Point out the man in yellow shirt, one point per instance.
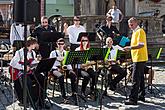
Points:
(139, 56)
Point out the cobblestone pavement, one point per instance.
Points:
(115, 101)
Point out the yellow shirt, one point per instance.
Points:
(139, 55)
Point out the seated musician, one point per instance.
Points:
(17, 67)
(113, 67)
(86, 71)
(57, 69)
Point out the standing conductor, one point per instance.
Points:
(139, 56)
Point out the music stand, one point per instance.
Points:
(96, 54)
(50, 38)
(155, 53)
(91, 36)
(44, 66)
(75, 58)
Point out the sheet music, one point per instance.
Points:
(119, 47)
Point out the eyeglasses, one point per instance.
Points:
(60, 43)
(84, 40)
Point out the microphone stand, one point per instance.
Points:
(25, 60)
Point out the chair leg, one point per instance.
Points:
(53, 88)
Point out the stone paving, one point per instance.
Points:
(155, 101)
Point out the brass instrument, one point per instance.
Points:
(88, 65)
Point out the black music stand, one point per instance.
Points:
(122, 56)
(91, 36)
(50, 38)
(154, 54)
(44, 66)
(96, 54)
(75, 58)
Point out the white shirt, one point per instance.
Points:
(17, 32)
(113, 52)
(58, 55)
(19, 57)
(115, 15)
(73, 33)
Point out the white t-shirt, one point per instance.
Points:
(73, 33)
(115, 15)
(58, 55)
(19, 57)
(17, 32)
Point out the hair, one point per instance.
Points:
(60, 40)
(31, 41)
(132, 19)
(81, 44)
(76, 17)
(107, 39)
(44, 17)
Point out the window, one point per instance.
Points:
(71, 2)
(51, 1)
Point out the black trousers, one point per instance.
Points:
(138, 81)
(72, 77)
(31, 89)
(87, 75)
(121, 73)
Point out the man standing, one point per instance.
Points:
(73, 32)
(44, 47)
(108, 29)
(115, 13)
(139, 56)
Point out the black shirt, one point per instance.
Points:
(44, 47)
(108, 32)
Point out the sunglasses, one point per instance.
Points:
(76, 20)
(60, 43)
(84, 40)
(45, 22)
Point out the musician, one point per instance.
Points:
(114, 67)
(57, 68)
(73, 32)
(108, 29)
(84, 71)
(139, 56)
(17, 64)
(44, 48)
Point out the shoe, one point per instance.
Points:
(141, 98)
(130, 102)
(65, 101)
(112, 87)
